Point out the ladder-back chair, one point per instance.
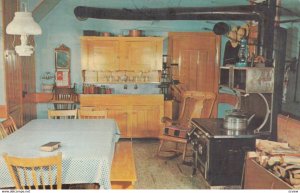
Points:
(64, 98)
(35, 173)
(62, 114)
(195, 104)
(8, 125)
(2, 133)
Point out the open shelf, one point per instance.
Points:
(248, 79)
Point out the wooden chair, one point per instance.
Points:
(195, 104)
(35, 173)
(2, 133)
(62, 114)
(95, 114)
(64, 98)
(88, 108)
(8, 125)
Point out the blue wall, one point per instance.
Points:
(61, 27)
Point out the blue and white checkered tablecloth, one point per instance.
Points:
(87, 148)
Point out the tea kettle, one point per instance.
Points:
(236, 119)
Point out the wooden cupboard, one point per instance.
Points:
(99, 54)
(143, 55)
(121, 53)
(120, 114)
(145, 120)
(138, 116)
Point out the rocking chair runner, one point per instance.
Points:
(196, 104)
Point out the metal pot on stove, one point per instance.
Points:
(236, 120)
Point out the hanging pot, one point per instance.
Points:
(221, 28)
(106, 34)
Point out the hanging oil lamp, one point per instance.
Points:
(243, 53)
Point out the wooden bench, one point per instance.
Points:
(123, 174)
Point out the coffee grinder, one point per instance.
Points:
(166, 79)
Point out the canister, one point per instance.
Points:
(102, 89)
(108, 91)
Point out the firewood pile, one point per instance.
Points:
(282, 160)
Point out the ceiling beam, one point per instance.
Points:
(43, 8)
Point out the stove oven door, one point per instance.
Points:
(200, 153)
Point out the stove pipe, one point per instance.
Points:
(255, 12)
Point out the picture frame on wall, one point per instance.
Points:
(62, 57)
(62, 66)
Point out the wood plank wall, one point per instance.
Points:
(19, 72)
(288, 130)
(8, 7)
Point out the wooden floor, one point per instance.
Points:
(123, 171)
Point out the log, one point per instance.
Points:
(270, 146)
(297, 171)
(277, 173)
(273, 160)
(291, 160)
(296, 176)
(293, 166)
(263, 160)
(293, 180)
(281, 170)
(283, 151)
(253, 154)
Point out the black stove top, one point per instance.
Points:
(214, 129)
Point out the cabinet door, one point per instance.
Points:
(119, 113)
(102, 55)
(142, 56)
(197, 56)
(14, 89)
(145, 121)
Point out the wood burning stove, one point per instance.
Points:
(218, 153)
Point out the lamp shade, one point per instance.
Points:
(23, 24)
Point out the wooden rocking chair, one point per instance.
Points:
(195, 104)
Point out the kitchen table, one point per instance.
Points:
(87, 148)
